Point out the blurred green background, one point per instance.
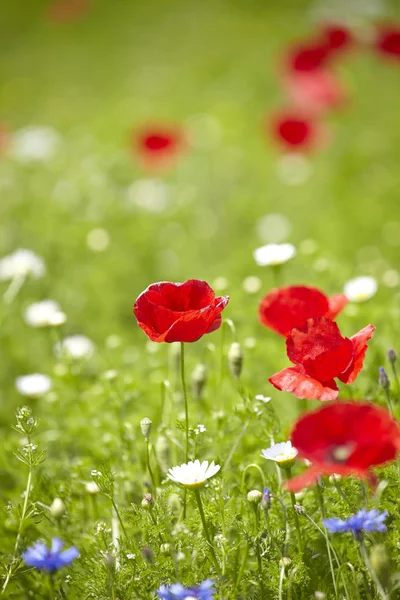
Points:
(211, 67)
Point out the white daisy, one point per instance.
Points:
(194, 474)
(44, 314)
(274, 254)
(75, 346)
(360, 288)
(34, 385)
(21, 263)
(283, 454)
(34, 143)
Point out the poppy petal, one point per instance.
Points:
(302, 386)
(359, 341)
(336, 305)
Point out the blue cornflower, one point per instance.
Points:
(176, 591)
(364, 520)
(40, 557)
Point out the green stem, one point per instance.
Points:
(150, 469)
(389, 401)
(364, 555)
(185, 399)
(205, 527)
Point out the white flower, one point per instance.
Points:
(33, 385)
(262, 398)
(75, 346)
(34, 143)
(44, 314)
(193, 474)
(274, 254)
(283, 453)
(21, 263)
(360, 288)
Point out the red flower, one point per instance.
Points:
(316, 90)
(282, 309)
(295, 131)
(346, 438)
(337, 37)
(159, 146)
(308, 57)
(179, 312)
(388, 41)
(320, 354)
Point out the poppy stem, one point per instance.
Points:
(185, 399)
(205, 527)
(364, 555)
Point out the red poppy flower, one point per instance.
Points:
(308, 57)
(347, 438)
(388, 41)
(337, 37)
(179, 312)
(293, 130)
(320, 354)
(315, 91)
(282, 309)
(159, 146)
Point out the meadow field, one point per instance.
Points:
(94, 210)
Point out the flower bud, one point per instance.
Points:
(165, 548)
(384, 380)
(92, 488)
(380, 563)
(148, 554)
(147, 501)
(199, 379)
(254, 496)
(285, 561)
(235, 359)
(266, 499)
(57, 508)
(145, 426)
(300, 510)
(163, 453)
(392, 356)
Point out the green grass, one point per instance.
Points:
(123, 64)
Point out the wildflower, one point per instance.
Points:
(46, 313)
(308, 57)
(384, 380)
(75, 346)
(274, 254)
(40, 557)
(179, 312)
(337, 36)
(320, 354)
(193, 474)
(262, 398)
(159, 146)
(266, 499)
(34, 144)
(387, 41)
(315, 91)
(364, 520)
(34, 385)
(295, 131)
(282, 309)
(145, 426)
(254, 496)
(21, 263)
(345, 438)
(360, 289)
(283, 454)
(392, 356)
(205, 591)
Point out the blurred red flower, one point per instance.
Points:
(337, 37)
(320, 354)
(68, 10)
(159, 146)
(346, 438)
(295, 131)
(282, 309)
(308, 57)
(387, 41)
(315, 91)
(179, 312)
